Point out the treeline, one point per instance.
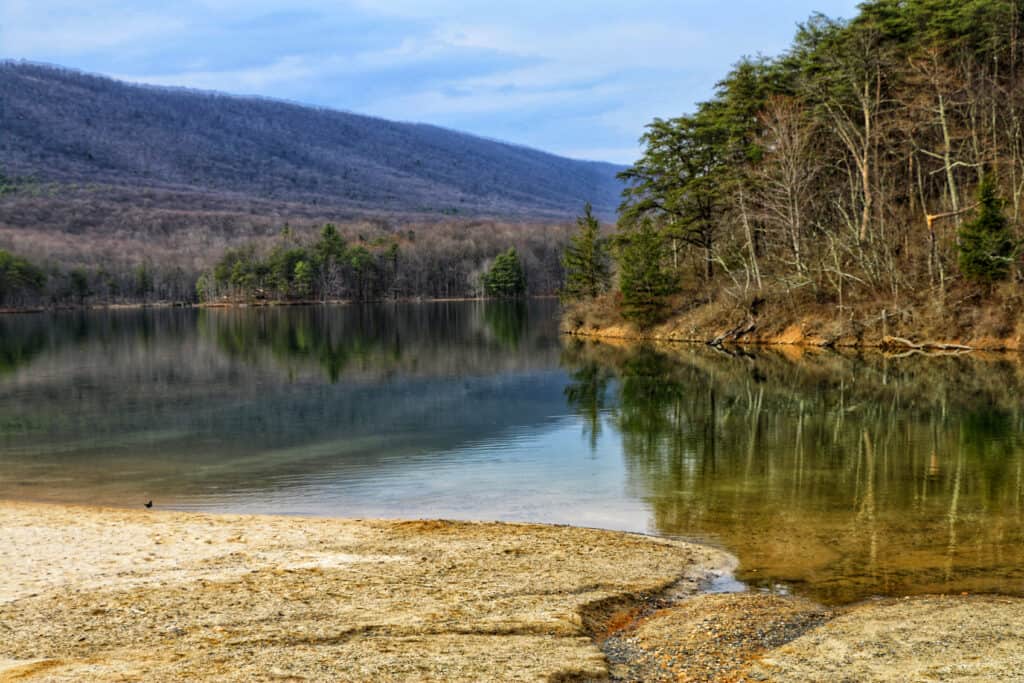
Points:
(396, 265)
(294, 269)
(877, 165)
(356, 262)
(24, 284)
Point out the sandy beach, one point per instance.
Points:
(115, 595)
(93, 594)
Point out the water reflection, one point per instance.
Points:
(838, 476)
(587, 394)
(483, 336)
(507, 321)
(186, 403)
(844, 476)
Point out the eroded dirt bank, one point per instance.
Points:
(981, 330)
(796, 335)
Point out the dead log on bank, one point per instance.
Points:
(734, 334)
(899, 343)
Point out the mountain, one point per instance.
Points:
(67, 127)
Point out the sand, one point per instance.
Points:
(116, 595)
(785, 639)
(91, 594)
(935, 638)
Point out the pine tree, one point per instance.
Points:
(986, 247)
(585, 260)
(331, 245)
(143, 281)
(303, 278)
(506, 278)
(645, 282)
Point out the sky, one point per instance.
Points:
(577, 78)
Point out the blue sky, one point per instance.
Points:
(575, 78)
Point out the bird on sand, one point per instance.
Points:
(149, 504)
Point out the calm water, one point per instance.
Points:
(834, 476)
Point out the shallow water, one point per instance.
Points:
(833, 476)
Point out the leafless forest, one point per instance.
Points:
(118, 192)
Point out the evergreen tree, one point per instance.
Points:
(303, 278)
(506, 278)
(330, 252)
(204, 289)
(585, 260)
(282, 264)
(364, 268)
(331, 245)
(143, 281)
(19, 277)
(79, 284)
(645, 281)
(987, 248)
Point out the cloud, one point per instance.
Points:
(68, 30)
(254, 80)
(570, 77)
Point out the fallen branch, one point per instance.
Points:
(890, 342)
(734, 334)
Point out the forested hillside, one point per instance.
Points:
(72, 127)
(869, 180)
(111, 192)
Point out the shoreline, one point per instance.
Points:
(796, 337)
(915, 327)
(108, 593)
(172, 595)
(254, 304)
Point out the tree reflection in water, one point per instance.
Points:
(842, 475)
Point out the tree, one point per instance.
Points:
(987, 248)
(677, 182)
(143, 281)
(848, 75)
(587, 270)
(204, 288)
(282, 266)
(79, 282)
(331, 244)
(19, 278)
(506, 278)
(644, 280)
(364, 268)
(303, 278)
(785, 177)
(329, 253)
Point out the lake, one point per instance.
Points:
(838, 476)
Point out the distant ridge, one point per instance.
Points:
(61, 125)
